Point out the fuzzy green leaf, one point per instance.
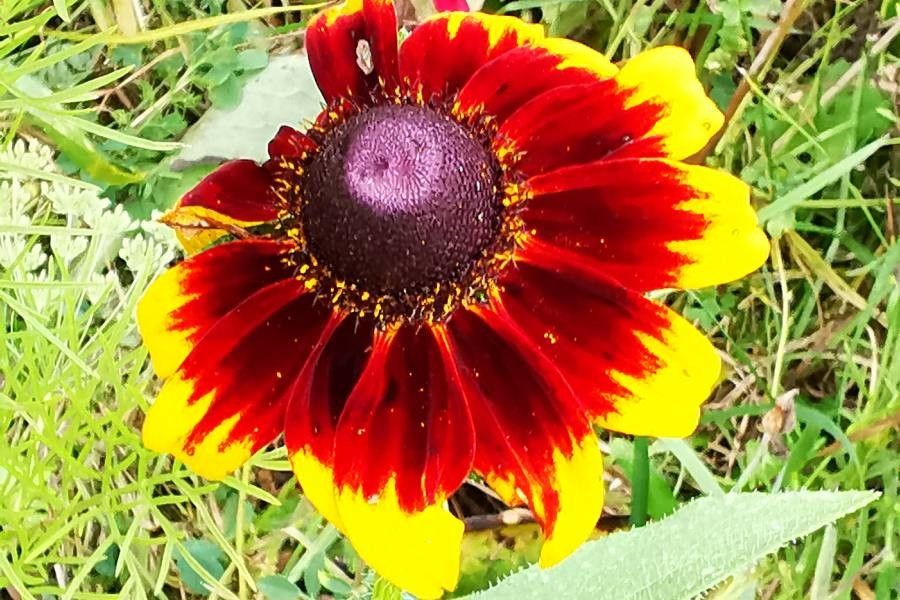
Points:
(253, 59)
(702, 544)
(210, 557)
(241, 125)
(278, 587)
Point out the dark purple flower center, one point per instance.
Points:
(400, 199)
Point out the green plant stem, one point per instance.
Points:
(239, 529)
(640, 478)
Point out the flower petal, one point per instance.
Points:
(228, 398)
(649, 223)
(418, 551)
(442, 53)
(183, 303)
(405, 443)
(654, 107)
(317, 400)
(637, 366)
(290, 143)
(666, 78)
(507, 82)
(392, 455)
(239, 193)
(352, 50)
(532, 434)
(239, 190)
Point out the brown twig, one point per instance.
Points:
(519, 516)
(13, 594)
(889, 422)
(854, 70)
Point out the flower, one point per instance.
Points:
(444, 275)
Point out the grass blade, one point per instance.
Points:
(817, 183)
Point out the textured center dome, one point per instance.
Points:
(399, 199)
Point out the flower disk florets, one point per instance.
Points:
(402, 214)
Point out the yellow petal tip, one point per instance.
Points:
(416, 551)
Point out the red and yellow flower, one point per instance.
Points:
(444, 275)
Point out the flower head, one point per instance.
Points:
(443, 275)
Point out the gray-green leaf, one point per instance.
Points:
(284, 93)
(278, 587)
(679, 557)
(253, 59)
(210, 557)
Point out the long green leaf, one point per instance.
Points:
(82, 92)
(704, 478)
(32, 24)
(62, 119)
(155, 35)
(45, 175)
(49, 335)
(34, 64)
(63, 10)
(684, 555)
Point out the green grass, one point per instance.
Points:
(86, 512)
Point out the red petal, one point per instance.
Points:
(504, 84)
(405, 421)
(571, 125)
(400, 449)
(442, 53)
(649, 223)
(404, 444)
(240, 190)
(239, 193)
(654, 107)
(532, 434)
(322, 388)
(665, 77)
(636, 365)
(183, 303)
(228, 398)
(317, 399)
(352, 50)
(290, 143)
